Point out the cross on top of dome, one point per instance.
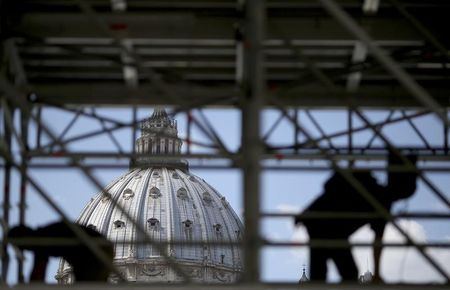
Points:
(304, 278)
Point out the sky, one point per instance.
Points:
(281, 191)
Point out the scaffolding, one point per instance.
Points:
(290, 57)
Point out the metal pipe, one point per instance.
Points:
(252, 103)
(24, 120)
(416, 130)
(446, 133)
(38, 129)
(316, 124)
(350, 134)
(6, 195)
(134, 135)
(332, 243)
(388, 62)
(296, 131)
(286, 168)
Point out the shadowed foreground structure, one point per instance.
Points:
(296, 58)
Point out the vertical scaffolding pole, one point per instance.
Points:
(446, 129)
(39, 128)
(296, 130)
(251, 141)
(350, 135)
(24, 118)
(134, 133)
(6, 194)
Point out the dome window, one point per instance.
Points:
(182, 193)
(224, 201)
(153, 223)
(92, 227)
(118, 224)
(193, 179)
(127, 194)
(175, 176)
(156, 174)
(155, 193)
(138, 176)
(105, 197)
(218, 228)
(188, 224)
(207, 197)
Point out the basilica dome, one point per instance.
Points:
(192, 222)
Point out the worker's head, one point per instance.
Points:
(402, 182)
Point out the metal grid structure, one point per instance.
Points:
(290, 56)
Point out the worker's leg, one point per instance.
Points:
(346, 265)
(318, 261)
(39, 267)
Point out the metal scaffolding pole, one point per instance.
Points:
(24, 120)
(384, 59)
(6, 195)
(251, 140)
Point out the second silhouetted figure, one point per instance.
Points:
(86, 266)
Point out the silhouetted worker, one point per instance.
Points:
(86, 266)
(341, 197)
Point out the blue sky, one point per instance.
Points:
(282, 191)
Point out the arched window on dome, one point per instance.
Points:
(224, 201)
(175, 176)
(92, 227)
(218, 228)
(193, 179)
(188, 224)
(182, 193)
(127, 194)
(207, 197)
(155, 193)
(118, 224)
(105, 197)
(156, 174)
(153, 223)
(144, 146)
